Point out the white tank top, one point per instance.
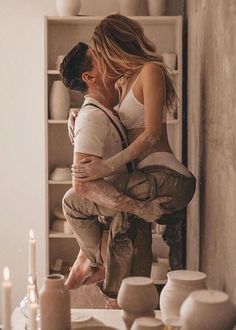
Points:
(131, 110)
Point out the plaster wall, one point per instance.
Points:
(212, 139)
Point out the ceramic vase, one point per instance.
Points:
(147, 323)
(137, 297)
(157, 7)
(54, 301)
(128, 7)
(160, 269)
(170, 60)
(179, 285)
(207, 310)
(59, 101)
(68, 7)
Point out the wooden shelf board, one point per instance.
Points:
(54, 234)
(57, 121)
(53, 72)
(59, 182)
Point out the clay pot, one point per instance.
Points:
(179, 285)
(59, 101)
(128, 7)
(160, 269)
(54, 301)
(207, 310)
(137, 297)
(157, 7)
(68, 7)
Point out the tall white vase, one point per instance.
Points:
(128, 7)
(179, 285)
(68, 7)
(207, 310)
(157, 7)
(59, 101)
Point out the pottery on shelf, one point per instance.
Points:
(61, 226)
(58, 212)
(61, 174)
(160, 269)
(128, 7)
(179, 285)
(59, 61)
(157, 7)
(170, 60)
(208, 310)
(54, 301)
(59, 101)
(147, 323)
(68, 7)
(137, 297)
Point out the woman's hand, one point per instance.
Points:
(90, 168)
(71, 123)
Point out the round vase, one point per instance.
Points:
(128, 7)
(179, 285)
(207, 310)
(160, 269)
(137, 297)
(54, 301)
(157, 7)
(68, 7)
(59, 101)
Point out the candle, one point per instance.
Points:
(6, 305)
(32, 310)
(32, 254)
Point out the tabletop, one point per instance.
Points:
(82, 317)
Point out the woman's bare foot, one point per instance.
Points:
(83, 273)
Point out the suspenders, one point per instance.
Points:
(130, 165)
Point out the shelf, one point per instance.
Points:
(57, 121)
(54, 234)
(53, 72)
(52, 182)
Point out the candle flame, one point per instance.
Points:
(6, 274)
(30, 280)
(32, 296)
(31, 234)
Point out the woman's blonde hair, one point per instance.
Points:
(121, 48)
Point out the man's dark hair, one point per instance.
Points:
(74, 64)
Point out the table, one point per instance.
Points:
(109, 317)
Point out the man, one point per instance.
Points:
(98, 132)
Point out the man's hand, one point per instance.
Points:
(91, 168)
(71, 123)
(151, 211)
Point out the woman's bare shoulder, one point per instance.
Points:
(153, 67)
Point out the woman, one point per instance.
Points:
(146, 93)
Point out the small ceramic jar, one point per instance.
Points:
(207, 310)
(59, 101)
(137, 297)
(54, 301)
(68, 7)
(179, 285)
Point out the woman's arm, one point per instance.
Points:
(153, 99)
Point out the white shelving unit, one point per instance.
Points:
(61, 34)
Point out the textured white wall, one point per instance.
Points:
(22, 142)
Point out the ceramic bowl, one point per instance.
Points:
(58, 212)
(137, 295)
(61, 174)
(147, 323)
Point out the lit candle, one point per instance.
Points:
(6, 306)
(32, 310)
(32, 254)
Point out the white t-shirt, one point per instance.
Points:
(95, 134)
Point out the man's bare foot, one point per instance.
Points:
(80, 271)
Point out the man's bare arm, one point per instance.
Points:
(105, 194)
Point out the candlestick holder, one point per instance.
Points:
(24, 304)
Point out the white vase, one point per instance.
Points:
(157, 7)
(59, 101)
(68, 7)
(160, 269)
(128, 7)
(137, 297)
(179, 285)
(207, 310)
(54, 300)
